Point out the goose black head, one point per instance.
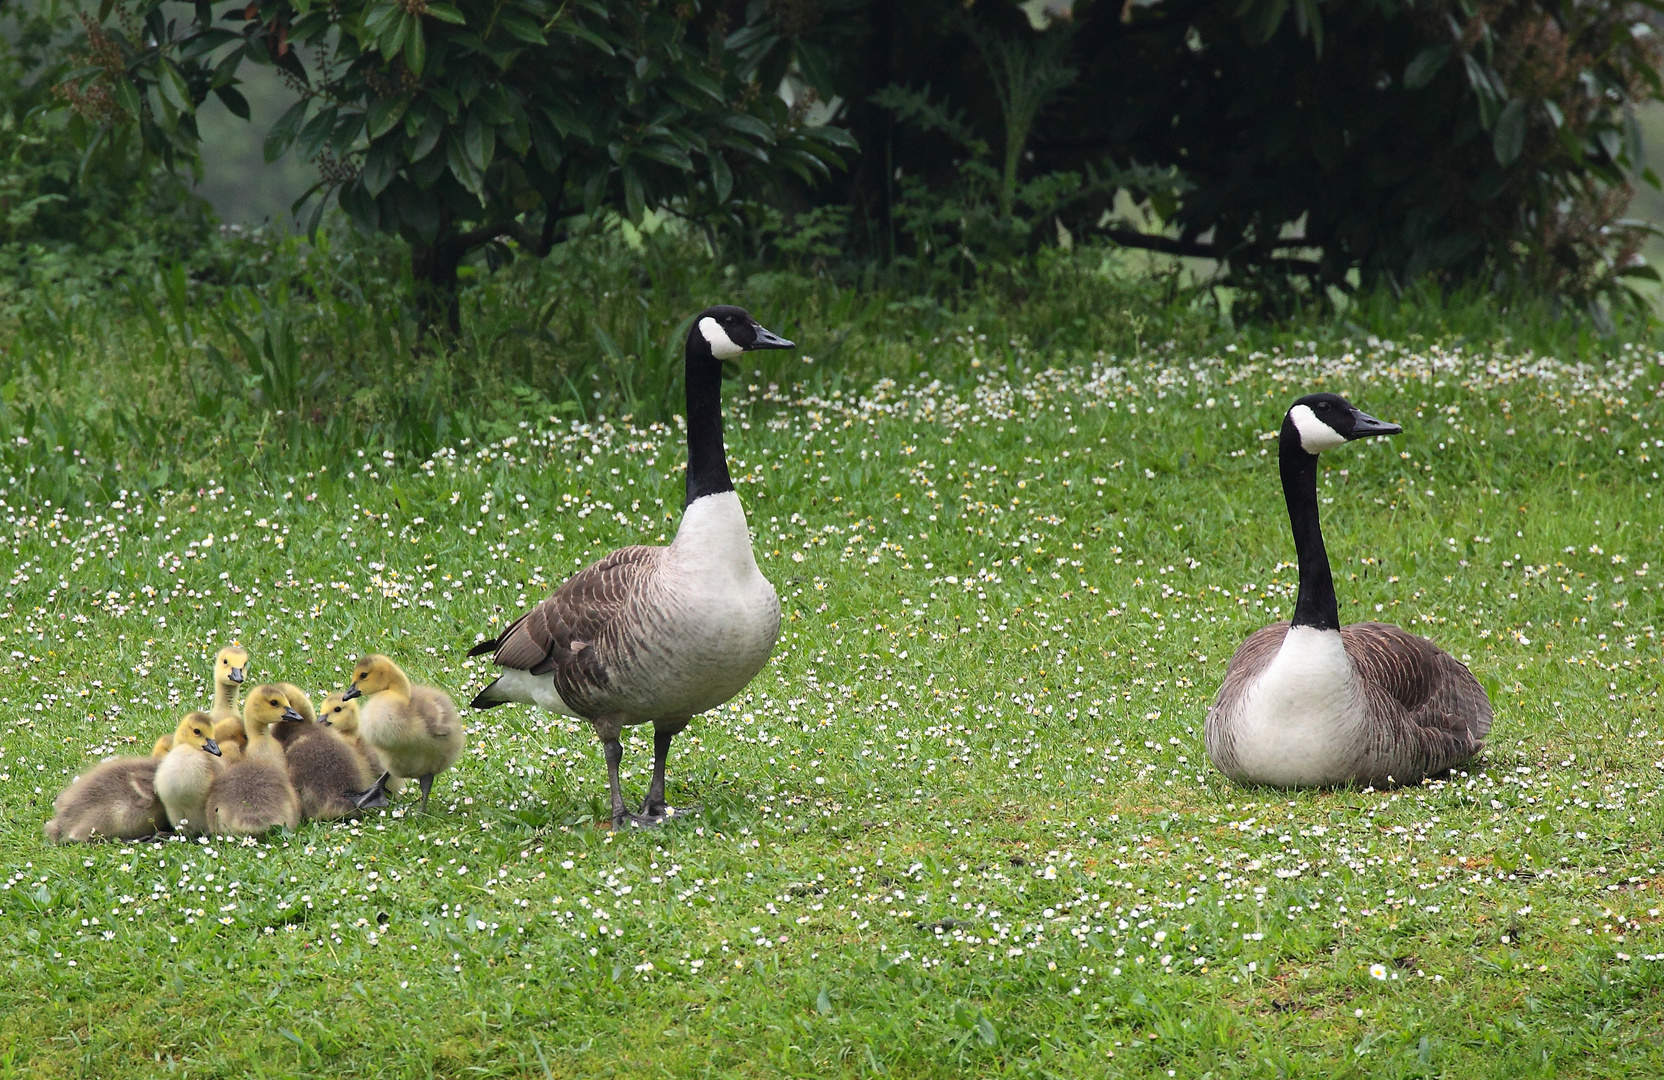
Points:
(1322, 422)
(729, 331)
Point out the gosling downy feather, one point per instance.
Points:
(114, 800)
(1313, 703)
(414, 729)
(342, 717)
(327, 773)
(253, 796)
(656, 634)
(187, 772)
(230, 669)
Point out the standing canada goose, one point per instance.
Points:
(1312, 703)
(253, 796)
(187, 772)
(230, 669)
(115, 800)
(656, 634)
(415, 729)
(327, 773)
(341, 716)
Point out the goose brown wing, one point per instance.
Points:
(559, 634)
(1426, 695)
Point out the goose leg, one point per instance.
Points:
(427, 786)
(375, 795)
(621, 815)
(663, 732)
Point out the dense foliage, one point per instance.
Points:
(1331, 142)
(1302, 147)
(57, 205)
(460, 125)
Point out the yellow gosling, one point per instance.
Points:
(253, 796)
(187, 772)
(414, 729)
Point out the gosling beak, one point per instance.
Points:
(351, 692)
(768, 339)
(237, 675)
(291, 714)
(212, 747)
(1365, 426)
(324, 720)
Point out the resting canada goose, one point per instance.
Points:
(414, 729)
(327, 773)
(656, 634)
(342, 717)
(115, 800)
(254, 795)
(1312, 703)
(230, 669)
(189, 770)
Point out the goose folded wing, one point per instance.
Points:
(1414, 681)
(558, 632)
(1250, 658)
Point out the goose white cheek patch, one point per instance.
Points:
(1315, 435)
(722, 346)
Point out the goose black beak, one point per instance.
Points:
(351, 692)
(768, 339)
(237, 675)
(1365, 426)
(212, 747)
(291, 714)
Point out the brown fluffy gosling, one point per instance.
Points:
(187, 772)
(342, 717)
(254, 795)
(327, 772)
(414, 729)
(115, 800)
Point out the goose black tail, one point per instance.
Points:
(485, 647)
(484, 700)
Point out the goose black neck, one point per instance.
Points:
(1315, 605)
(707, 457)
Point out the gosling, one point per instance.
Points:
(230, 669)
(254, 795)
(415, 729)
(327, 773)
(116, 800)
(187, 772)
(342, 716)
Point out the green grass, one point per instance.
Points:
(962, 820)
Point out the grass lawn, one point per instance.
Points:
(962, 824)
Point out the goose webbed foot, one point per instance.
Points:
(375, 795)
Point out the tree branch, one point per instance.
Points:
(1167, 245)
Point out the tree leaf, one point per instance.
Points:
(722, 178)
(466, 173)
(233, 100)
(1426, 64)
(1508, 138)
(283, 132)
(415, 47)
(381, 164)
(383, 114)
(446, 13)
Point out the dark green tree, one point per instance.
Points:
(479, 123)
